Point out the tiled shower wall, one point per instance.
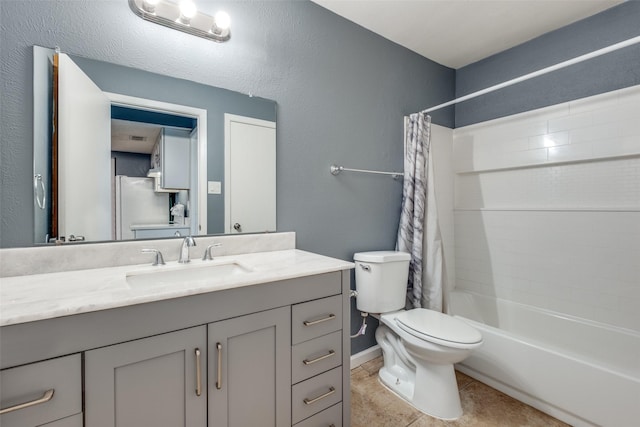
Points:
(547, 208)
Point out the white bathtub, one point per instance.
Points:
(584, 373)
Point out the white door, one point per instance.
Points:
(84, 153)
(250, 175)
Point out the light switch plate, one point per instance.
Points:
(214, 187)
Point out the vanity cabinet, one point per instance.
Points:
(250, 370)
(239, 366)
(272, 354)
(158, 381)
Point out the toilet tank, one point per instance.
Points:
(381, 280)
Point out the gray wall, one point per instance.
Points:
(341, 94)
(603, 74)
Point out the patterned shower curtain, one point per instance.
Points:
(418, 232)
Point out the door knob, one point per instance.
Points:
(237, 226)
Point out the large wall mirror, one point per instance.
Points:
(121, 153)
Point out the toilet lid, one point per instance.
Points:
(423, 323)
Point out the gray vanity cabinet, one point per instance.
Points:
(162, 380)
(158, 381)
(272, 355)
(250, 370)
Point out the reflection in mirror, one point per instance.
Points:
(153, 192)
(172, 157)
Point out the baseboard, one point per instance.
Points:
(365, 355)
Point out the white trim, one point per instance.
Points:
(228, 118)
(201, 116)
(365, 355)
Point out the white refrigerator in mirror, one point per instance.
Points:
(137, 204)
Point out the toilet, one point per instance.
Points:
(419, 346)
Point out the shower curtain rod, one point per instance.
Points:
(541, 72)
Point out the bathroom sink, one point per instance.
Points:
(200, 273)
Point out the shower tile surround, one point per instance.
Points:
(547, 208)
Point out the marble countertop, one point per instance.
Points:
(45, 296)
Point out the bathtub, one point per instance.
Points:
(583, 373)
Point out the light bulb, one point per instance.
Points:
(187, 11)
(149, 5)
(222, 20)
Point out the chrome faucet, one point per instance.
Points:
(159, 260)
(207, 252)
(184, 249)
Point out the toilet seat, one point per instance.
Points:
(437, 327)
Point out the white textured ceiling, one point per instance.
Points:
(456, 33)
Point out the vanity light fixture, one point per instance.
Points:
(184, 16)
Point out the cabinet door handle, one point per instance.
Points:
(317, 359)
(219, 376)
(315, 322)
(198, 374)
(47, 396)
(308, 401)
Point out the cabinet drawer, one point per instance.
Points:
(315, 318)
(330, 417)
(316, 394)
(315, 356)
(30, 383)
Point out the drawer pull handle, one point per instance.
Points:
(219, 376)
(47, 396)
(308, 401)
(198, 374)
(315, 322)
(317, 359)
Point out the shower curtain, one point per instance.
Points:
(419, 232)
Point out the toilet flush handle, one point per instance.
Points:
(365, 267)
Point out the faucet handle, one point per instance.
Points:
(207, 252)
(159, 259)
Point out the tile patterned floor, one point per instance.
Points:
(372, 405)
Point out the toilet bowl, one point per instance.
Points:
(419, 346)
(419, 349)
